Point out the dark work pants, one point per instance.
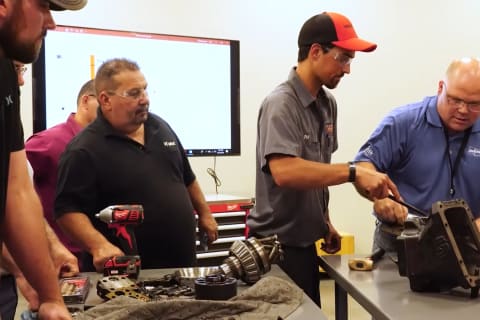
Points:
(301, 265)
(8, 297)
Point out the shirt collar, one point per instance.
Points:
(75, 127)
(109, 130)
(302, 92)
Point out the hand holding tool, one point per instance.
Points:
(122, 218)
(409, 206)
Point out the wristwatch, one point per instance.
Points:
(352, 171)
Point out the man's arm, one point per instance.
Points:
(24, 233)
(333, 241)
(295, 172)
(25, 288)
(66, 264)
(78, 226)
(206, 221)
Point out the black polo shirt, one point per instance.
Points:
(101, 167)
(11, 131)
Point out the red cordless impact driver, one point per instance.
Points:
(122, 218)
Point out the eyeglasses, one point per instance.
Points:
(340, 57)
(343, 59)
(20, 69)
(134, 94)
(473, 106)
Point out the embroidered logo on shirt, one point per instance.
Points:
(169, 144)
(474, 151)
(329, 129)
(8, 100)
(368, 151)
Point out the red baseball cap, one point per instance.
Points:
(334, 28)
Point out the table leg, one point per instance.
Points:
(341, 303)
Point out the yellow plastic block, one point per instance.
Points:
(348, 246)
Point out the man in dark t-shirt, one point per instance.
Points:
(23, 23)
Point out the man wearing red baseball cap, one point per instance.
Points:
(297, 134)
(23, 25)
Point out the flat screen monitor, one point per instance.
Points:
(193, 82)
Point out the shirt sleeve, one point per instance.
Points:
(16, 127)
(386, 144)
(277, 131)
(37, 154)
(188, 175)
(76, 184)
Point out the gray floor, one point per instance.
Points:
(355, 311)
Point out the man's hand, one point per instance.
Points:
(27, 292)
(53, 311)
(374, 185)
(64, 261)
(102, 254)
(333, 241)
(207, 223)
(389, 211)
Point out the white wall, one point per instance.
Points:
(416, 41)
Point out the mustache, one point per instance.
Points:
(142, 108)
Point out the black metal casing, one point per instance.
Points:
(442, 251)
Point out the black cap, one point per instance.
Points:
(334, 28)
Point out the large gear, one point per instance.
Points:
(251, 258)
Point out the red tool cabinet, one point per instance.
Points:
(230, 212)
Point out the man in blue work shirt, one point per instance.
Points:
(430, 149)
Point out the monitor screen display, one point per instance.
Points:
(193, 82)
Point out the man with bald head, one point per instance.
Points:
(429, 149)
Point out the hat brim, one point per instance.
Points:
(60, 5)
(355, 44)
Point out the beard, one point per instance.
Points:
(333, 83)
(9, 42)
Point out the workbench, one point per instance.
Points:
(387, 295)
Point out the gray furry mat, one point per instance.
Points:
(271, 298)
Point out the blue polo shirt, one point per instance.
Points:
(410, 146)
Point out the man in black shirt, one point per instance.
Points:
(23, 24)
(130, 156)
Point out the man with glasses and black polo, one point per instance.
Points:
(130, 156)
(430, 149)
